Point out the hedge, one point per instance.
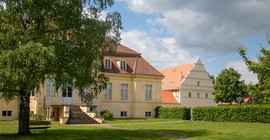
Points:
(238, 113)
(173, 113)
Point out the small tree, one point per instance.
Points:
(260, 91)
(228, 86)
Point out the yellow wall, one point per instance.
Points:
(11, 106)
(135, 105)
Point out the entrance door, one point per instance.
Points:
(67, 96)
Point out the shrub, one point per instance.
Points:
(173, 113)
(107, 115)
(36, 117)
(243, 113)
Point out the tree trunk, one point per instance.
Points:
(24, 113)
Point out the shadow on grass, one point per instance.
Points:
(187, 133)
(80, 134)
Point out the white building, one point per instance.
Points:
(187, 85)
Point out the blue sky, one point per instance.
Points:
(176, 32)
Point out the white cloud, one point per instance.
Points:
(241, 67)
(159, 52)
(209, 25)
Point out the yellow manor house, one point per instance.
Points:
(134, 90)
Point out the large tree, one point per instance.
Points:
(260, 91)
(60, 39)
(229, 86)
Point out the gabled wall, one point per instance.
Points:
(189, 85)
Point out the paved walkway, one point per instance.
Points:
(147, 131)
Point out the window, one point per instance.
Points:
(124, 90)
(123, 65)
(180, 76)
(108, 91)
(148, 92)
(198, 95)
(67, 92)
(189, 94)
(147, 114)
(107, 63)
(82, 93)
(123, 114)
(32, 94)
(206, 95)
(169, 84)
(198, 83)
(6, 113)
(50, 88)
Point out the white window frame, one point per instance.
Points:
(124, 92)
(50, 88)
(68, 91)
(108, 91)
(6, 113)
(198, 83)
(148, 114)
(123, 65)
(206, 95)
(123, 113)
(108, 64)
(148, 92)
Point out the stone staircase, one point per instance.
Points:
(77, 116)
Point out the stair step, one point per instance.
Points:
(77, 116)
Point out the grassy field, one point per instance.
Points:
(119, 121)
(209, 130)
(190, 129)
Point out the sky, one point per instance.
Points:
(170, 33)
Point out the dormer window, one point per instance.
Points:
(123, 65)
(107, 63)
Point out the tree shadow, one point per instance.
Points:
(81, 134)
(186, 133)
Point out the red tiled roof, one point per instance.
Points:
(123, 49)
(135, 63)
(168, 97)
(173, 75)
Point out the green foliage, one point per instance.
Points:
(63, 40)
(260, 91)
(228, 86)
(182, 113)
(243, 113)
(36, 117)
(107, 115)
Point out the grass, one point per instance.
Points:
(126, 120)
(191, 129)
(77, 132)
(209, 130)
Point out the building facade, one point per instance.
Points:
(133, 91)
(187, 85)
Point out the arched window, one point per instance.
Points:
(107, 63)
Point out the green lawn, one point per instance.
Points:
(209, 130)
(65, 132)
(119, 121)
(190, 129)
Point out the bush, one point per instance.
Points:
(173, 113)
(243, 113)
(36, 117)
(107, 115)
